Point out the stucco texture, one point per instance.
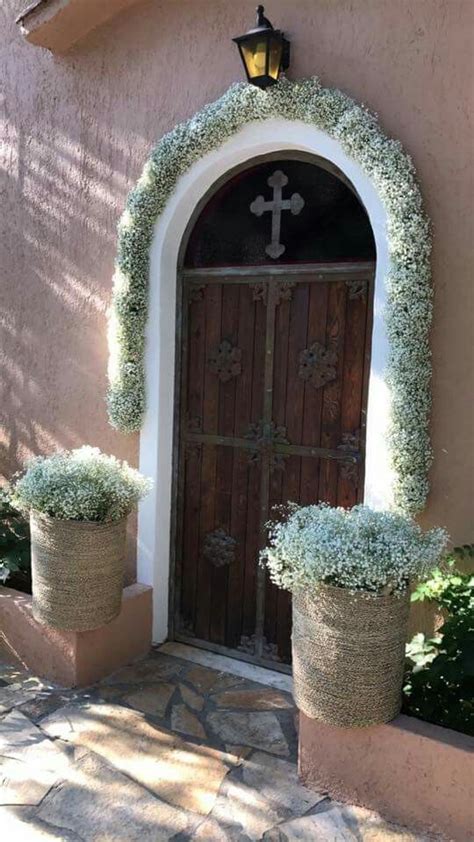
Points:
(412, 772)
(80, 126)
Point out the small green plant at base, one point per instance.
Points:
(14, 541)
(439, 684)
(82, 484)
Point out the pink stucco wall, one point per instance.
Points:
(74, 659)
(79, 128)
(412, 772)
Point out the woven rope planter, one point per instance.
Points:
(77, 571)
(348, 655)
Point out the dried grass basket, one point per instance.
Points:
(348, 655)
(77, 571)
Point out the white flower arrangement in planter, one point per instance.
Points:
(78, 502)
(349, 572)
(409, 296)
(360, 549)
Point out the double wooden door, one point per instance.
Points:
(273, 379)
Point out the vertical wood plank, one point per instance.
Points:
(225, 458)
(352, 387)
(280, 371)
(332, 392)
(313, 397)
(192, 412)
(213, 313)
(241, 468)
(253, 512)
(290, 340)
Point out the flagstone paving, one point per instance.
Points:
(162, 750)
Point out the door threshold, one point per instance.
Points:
(252, 672)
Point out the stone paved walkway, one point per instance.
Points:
(162, 750)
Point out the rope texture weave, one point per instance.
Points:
(77, 570)
(348, 655)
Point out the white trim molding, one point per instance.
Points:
(256, 139)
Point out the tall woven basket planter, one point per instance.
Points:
(348, 655)
(77, 571)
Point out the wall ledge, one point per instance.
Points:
(75, 659)
(411, 772)
(58, 24)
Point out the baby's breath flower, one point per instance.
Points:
(82, 484)
(359, 549)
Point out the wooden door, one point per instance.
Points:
(273, 376)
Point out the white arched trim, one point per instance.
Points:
(156, 437)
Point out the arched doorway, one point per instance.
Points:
(275, 316)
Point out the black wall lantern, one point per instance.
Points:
(264, 51)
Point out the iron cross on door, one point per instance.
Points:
(278, 180)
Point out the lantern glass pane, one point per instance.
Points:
(254, 54)
(274, 58)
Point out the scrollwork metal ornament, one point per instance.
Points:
(248, 645)
(266, 435)
(259, 292)
(332, 406)
(349, 471)
(194, 423)
(350, 442)
(356, 289)
(196, 292)
(225, 361)
(186, 626)
(318, 365)
(277, 460)
(285, 291)
(219, 548)
(192, 450)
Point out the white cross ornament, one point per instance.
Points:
(295, 204)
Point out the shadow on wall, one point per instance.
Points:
(59, 246)
(53, 327)
(79, 128)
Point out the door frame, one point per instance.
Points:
(277, 137)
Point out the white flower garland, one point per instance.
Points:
(409, 295)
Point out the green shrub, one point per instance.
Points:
(440, 680)
(14, 541)
(82, 484)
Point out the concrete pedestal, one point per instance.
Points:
(74, 659)
(411, 772)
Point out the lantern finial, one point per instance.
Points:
(262, 21)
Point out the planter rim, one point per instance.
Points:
(368, 595)
(76, 523)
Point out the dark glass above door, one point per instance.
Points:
(281, 211)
